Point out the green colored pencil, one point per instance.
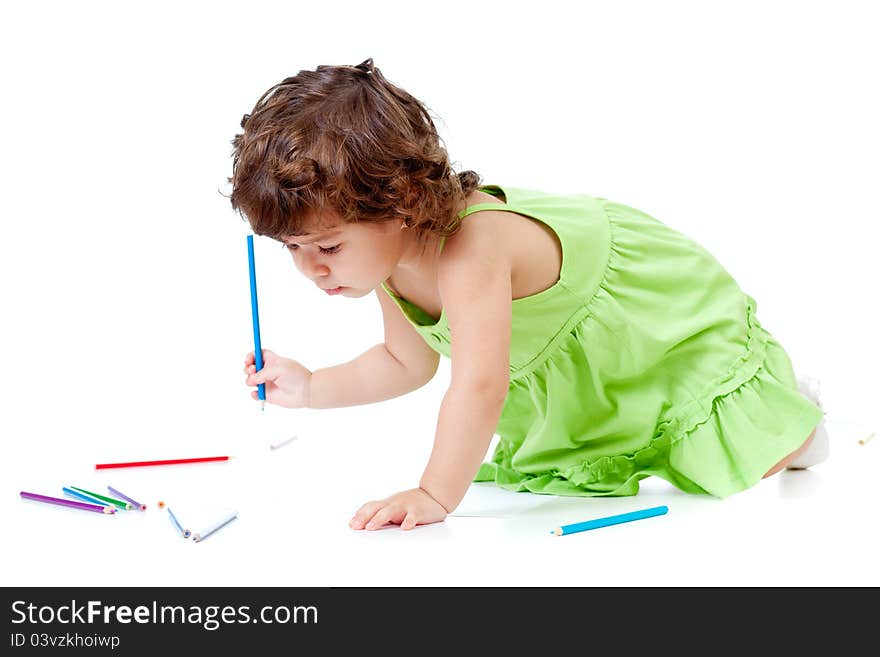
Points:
(110, 500)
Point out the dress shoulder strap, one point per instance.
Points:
(495, 190)
(482, 206)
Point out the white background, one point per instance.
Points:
(750, 126)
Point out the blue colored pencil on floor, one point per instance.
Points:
(183, 532)
(84, 496)
(610, 520)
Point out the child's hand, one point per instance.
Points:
(407, 509)
(287, 382)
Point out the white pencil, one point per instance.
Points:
(282, 443)
(205, 533)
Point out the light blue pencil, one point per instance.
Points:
(205, 533)
(83, 496)
(610, 520)
(183, 532)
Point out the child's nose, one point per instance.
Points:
(313, 267)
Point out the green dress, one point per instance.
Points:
(645, 358)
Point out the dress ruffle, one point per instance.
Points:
(720, 444)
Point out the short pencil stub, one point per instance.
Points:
(282, 443)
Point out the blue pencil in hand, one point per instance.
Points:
(610, 520)
(255, 315)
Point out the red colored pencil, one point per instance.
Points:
(133, 464)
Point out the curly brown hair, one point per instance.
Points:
(344, 137)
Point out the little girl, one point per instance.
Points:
(600, 345)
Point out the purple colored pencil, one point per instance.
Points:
(142, 507)
(62, 502)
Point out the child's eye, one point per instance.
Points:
(326, 250)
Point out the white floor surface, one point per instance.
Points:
(812, 528)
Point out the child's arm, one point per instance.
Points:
(402, 364)
(475, 287)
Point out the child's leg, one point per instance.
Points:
(791, 457)
(815, 448)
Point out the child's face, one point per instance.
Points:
(351, 259)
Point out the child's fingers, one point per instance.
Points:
(268, 356)
(268, 373)
(363, 515)
(381, 518)
(408, 522)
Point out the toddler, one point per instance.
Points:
(600, 345)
